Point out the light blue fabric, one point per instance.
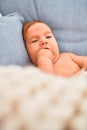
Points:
(12, 51)
(67, 18)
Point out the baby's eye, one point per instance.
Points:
(33, 41)
(48, 37)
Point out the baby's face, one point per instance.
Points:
(39, 36)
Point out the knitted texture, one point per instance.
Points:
(33, 100)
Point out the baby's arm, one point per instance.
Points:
(80, 60)
(45, 64)
(44, 61)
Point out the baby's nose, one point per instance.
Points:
(43, 41)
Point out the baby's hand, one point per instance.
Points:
(45, 53)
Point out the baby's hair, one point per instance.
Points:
(27, 25)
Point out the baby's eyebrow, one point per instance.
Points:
(36, 36)
(33, 37)
(49, 32)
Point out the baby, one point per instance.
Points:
(43, 51)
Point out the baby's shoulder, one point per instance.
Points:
(68, 55)
(64, 54)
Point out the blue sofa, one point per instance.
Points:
(67, 18)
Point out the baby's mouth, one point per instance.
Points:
(46, 48)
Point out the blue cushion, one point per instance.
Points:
(12, 49)
(68, 19)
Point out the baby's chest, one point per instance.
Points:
(65, 65)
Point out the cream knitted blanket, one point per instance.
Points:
(33, 100)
